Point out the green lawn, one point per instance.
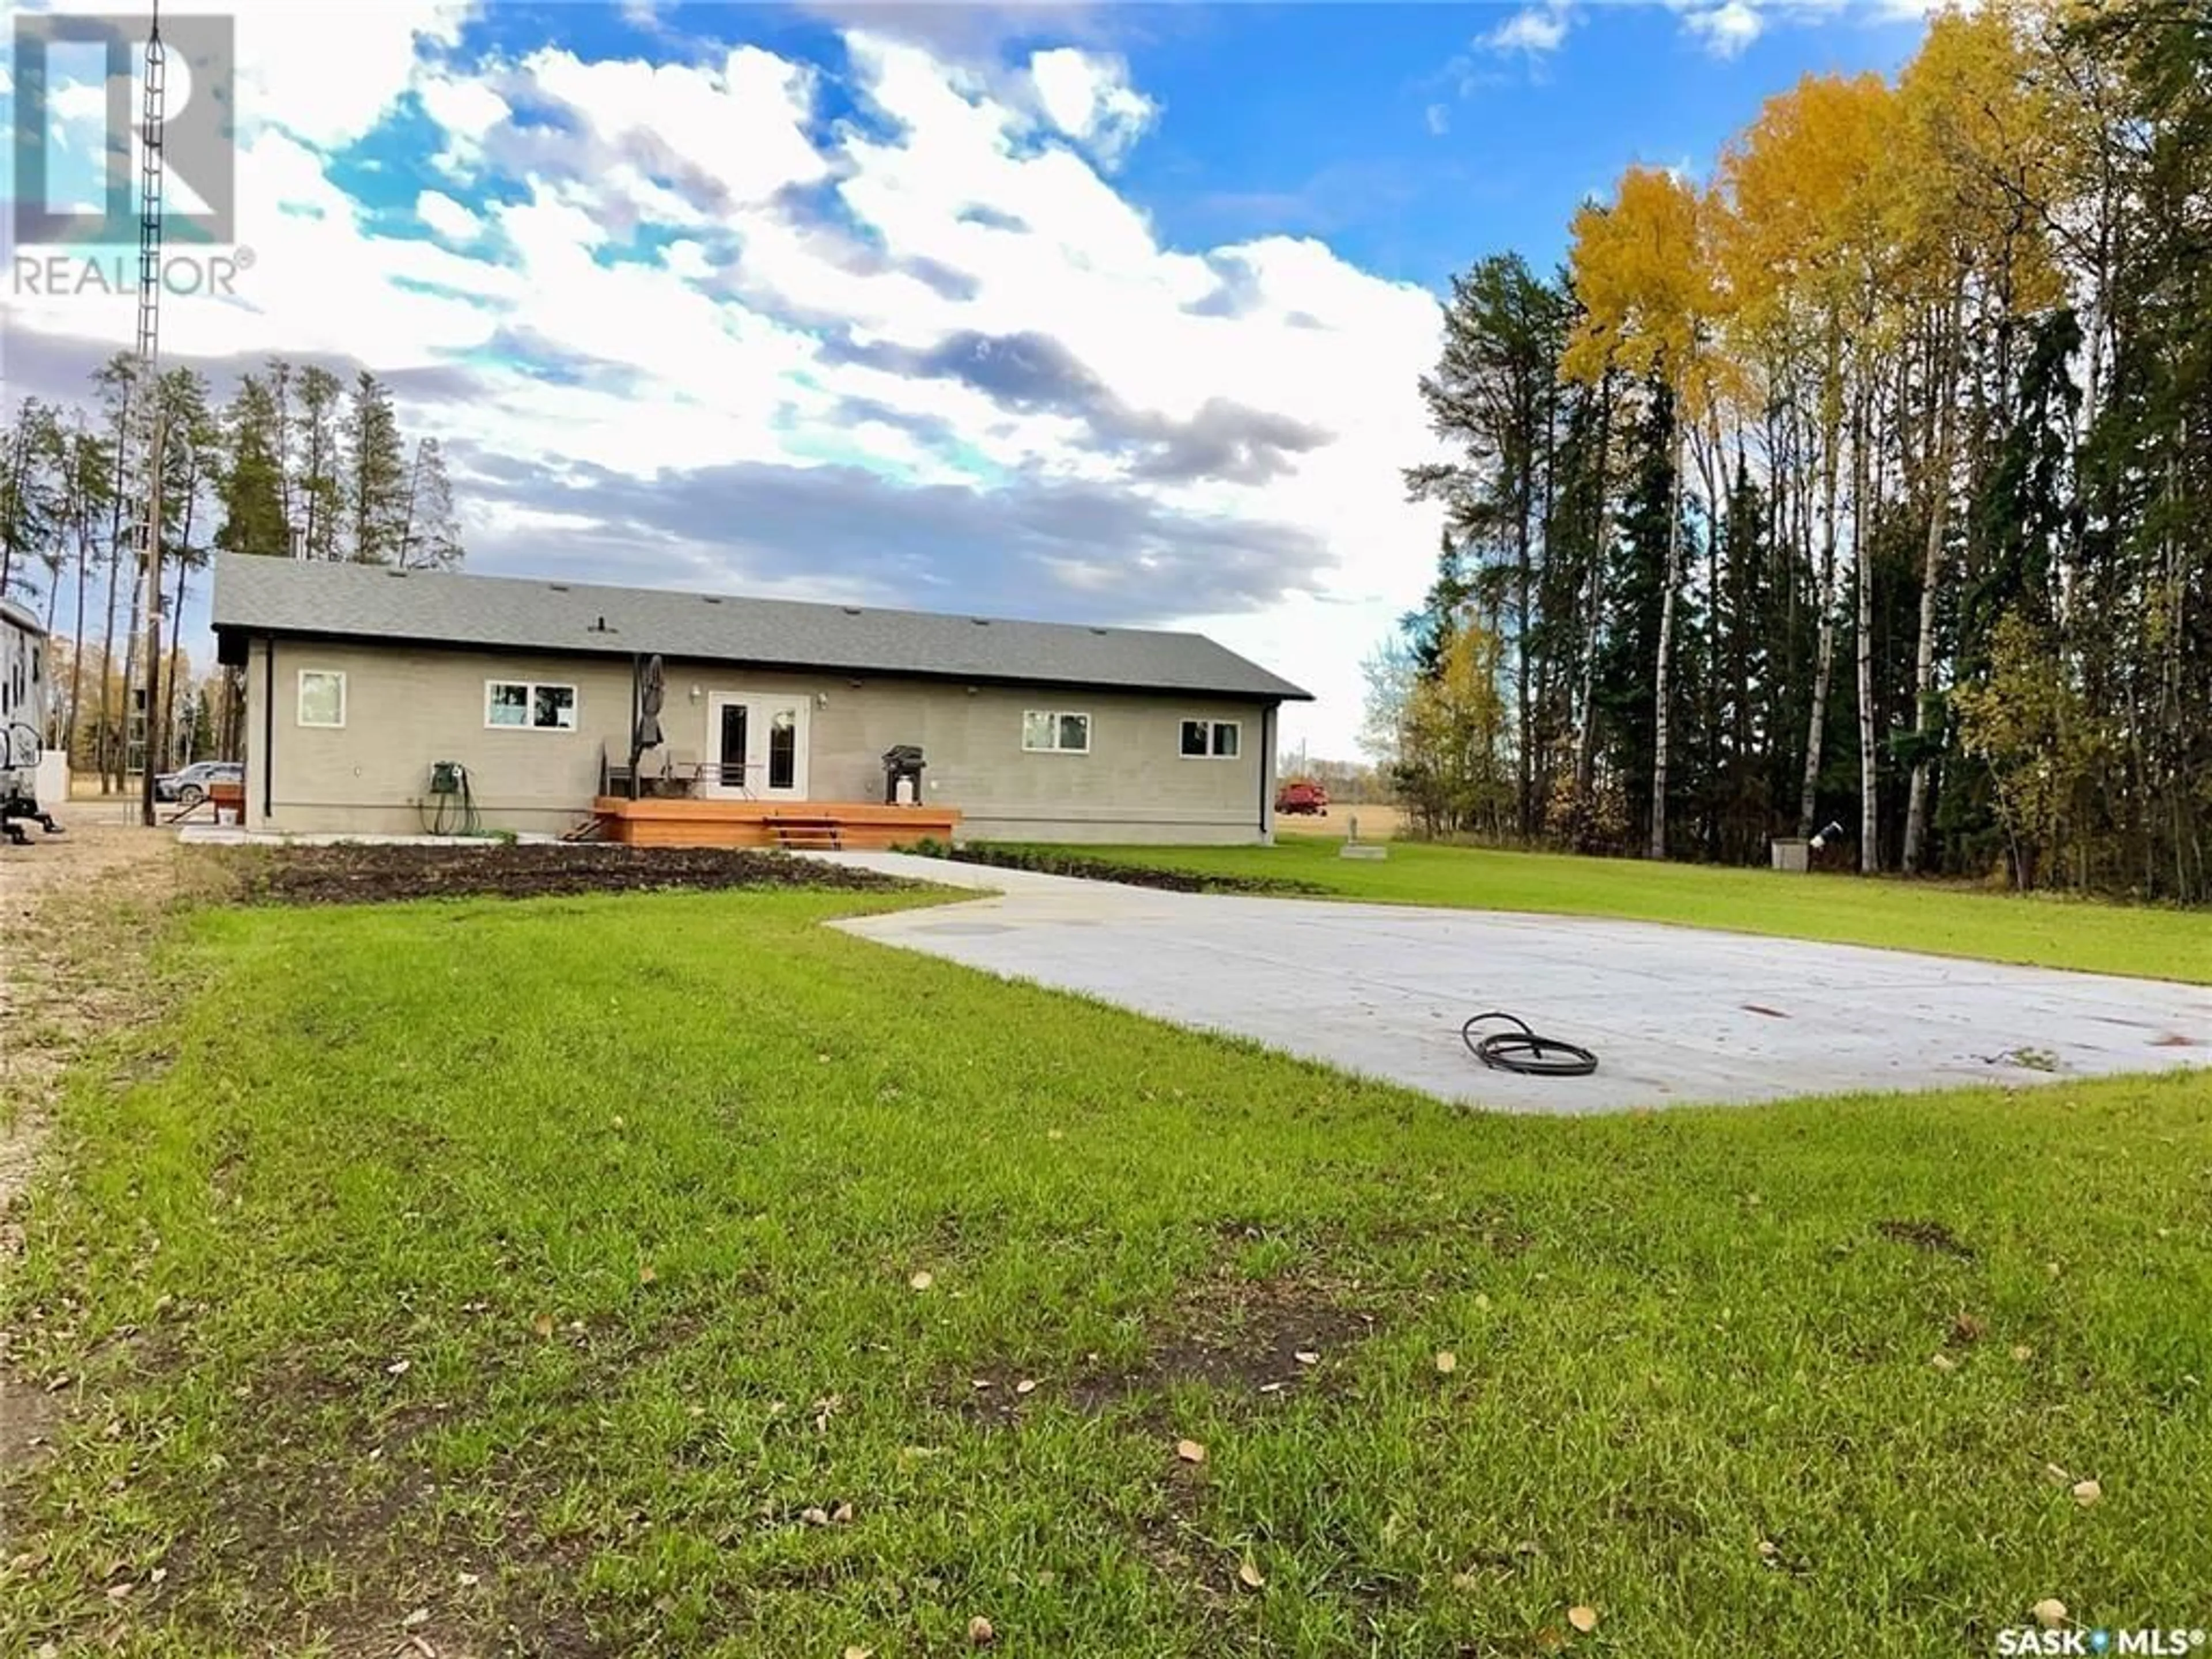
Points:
(540, 1266)
(1946, 919)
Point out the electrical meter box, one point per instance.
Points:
(444, 777)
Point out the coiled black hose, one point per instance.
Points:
(1523, 1051)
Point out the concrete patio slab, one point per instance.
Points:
(1675, 1014)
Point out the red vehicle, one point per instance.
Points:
(1302, 796)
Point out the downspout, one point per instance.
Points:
(268, 727)
(1267, 774)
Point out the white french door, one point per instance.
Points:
(756, 746)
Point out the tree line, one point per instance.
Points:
(1867, 483)
(297, 463)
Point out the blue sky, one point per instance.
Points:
(1074, 312)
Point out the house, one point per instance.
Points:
(362, 682)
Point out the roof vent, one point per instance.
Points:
(981, 621)
(1099, 631)
(712, 599)
(397, 570)
(851, 609)
(558, 587)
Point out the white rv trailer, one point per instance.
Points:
(23, 710)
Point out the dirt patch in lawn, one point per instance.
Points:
(1128, 875)
(1930, 1236)
(1256, 1339)
(359, 873)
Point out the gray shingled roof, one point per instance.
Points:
(257, 595)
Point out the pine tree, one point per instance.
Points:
(376, 475)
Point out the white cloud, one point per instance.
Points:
(1437, 119)
(1088, 97)
(739, 331)
(443, 214)
(1726, 29)
(1535, 30)
(328, 72)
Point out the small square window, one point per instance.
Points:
(322, 697)
(553, 707)
(506, 702)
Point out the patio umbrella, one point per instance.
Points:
(653, 687)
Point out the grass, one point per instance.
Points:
(540, 1266)
(1946, 918)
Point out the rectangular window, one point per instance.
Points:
(1048, 732)
(1210, 739)
(525, 705)
(322, 697)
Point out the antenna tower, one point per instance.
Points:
(150, 436)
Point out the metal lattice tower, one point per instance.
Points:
(148, 436)
(150, 174)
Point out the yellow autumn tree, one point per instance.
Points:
(1809, 244)
(1653, 305)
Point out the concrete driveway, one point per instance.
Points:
(1675, 1014)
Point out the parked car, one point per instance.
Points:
(189, 785)
(1302, 795)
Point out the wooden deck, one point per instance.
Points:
(818, 825)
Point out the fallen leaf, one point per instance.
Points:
(422, 1647)
(398, 1368)
(1481, 1303)
(1447, 1363)
(2049, 1612)
(859, 1652)
(1250, 1576)
(814, 1516)
(841, 1515)
(980, 1633)
(158, 1575)
(1050, 1134)
(645, 1275)
(117, 1592)
(921, 1281)
(468, 1580)
(416, 1619)
(981, 1382)
(542, 1324)
(2087, 1493)
(1966, 1327)
(1307, 1357)
(1190, 1451)
(1271, 1388)
(1582, 1619)
(1943, 1362)
(1767, 1551)
(2022, 1353)
(1027, 1385)
(2058, 1474)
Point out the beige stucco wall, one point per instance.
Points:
(406, 708)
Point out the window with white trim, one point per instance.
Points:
(322, 697)
(529, 705)
(1050, 732)
(1211, 740)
